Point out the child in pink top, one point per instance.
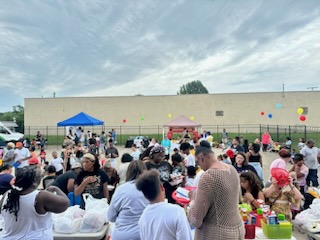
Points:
(285, 157)
(299, 171)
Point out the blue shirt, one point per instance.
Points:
(167, 145)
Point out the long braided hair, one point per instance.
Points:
(25, 178)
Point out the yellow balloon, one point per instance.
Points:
(300, 111)
(169, 115)
(192, 118)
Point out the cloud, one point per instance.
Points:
(152, 47)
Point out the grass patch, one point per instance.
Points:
(121, 139)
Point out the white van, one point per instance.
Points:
(6, 135)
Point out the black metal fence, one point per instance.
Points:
(278, 133)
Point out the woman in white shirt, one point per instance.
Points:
(127, 205)
(27, 211)
(125, 161)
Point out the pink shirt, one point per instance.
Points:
(302, 180)
(278, 163)
(265, 138)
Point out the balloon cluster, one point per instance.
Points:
(300, 111)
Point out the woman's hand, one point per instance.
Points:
(249, 197)
(274, 182)
(90, 179)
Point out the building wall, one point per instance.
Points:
(238, 108)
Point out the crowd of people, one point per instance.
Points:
(140, 188)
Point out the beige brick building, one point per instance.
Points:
(207, 109)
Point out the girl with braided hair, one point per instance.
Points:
(27, 211)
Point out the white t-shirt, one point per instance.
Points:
(57, 163)
(122, 172)
(197, 178)
(22, 153)
(30, 224)
(155, 223)
(310, 156)
(135, 154)
(190, 160)
(189, 182)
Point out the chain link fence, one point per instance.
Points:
(55, 135)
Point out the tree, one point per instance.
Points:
(17, 114)
(194, 87)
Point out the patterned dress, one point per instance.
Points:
(214, 211)
(281, 203)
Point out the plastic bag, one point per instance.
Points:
(92, 221)
(96, 214)
(69, 221)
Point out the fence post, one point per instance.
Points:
(29, 133)
(46, 131)
(260, 131)
(121, 135)
(239, 130)
(158, 133)
(139, 130)
(305, 132)
(277, 133)
(268, 128)
(290, 131)
(57, 137)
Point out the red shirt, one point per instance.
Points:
(169, 134)
(195, 136)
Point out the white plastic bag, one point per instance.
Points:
(69, 221)
(96, 214)
(92, 221)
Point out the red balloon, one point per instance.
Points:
(302, 118)
(262, 113)
(124, 121)
(281, 175)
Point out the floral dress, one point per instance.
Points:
(281, 203)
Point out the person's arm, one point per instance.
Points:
(268, 191)
(78, 190)
(114, 207)
(199, 206)
(52, 200)
(261, 197)
(292, 169)
(70, 185)
(12, 181)
(298, 172)
(116, 154)
(248, 154)
(296, 193)
(106, 191)
(65, 161)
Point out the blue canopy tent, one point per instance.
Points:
(81, 119)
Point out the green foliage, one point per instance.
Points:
(17, 114)
(194, 87)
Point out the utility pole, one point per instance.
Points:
(283, 90)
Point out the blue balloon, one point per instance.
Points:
(278, 105)
(269, 115)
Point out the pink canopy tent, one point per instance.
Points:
(180, 123)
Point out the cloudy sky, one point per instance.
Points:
(152, 47)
